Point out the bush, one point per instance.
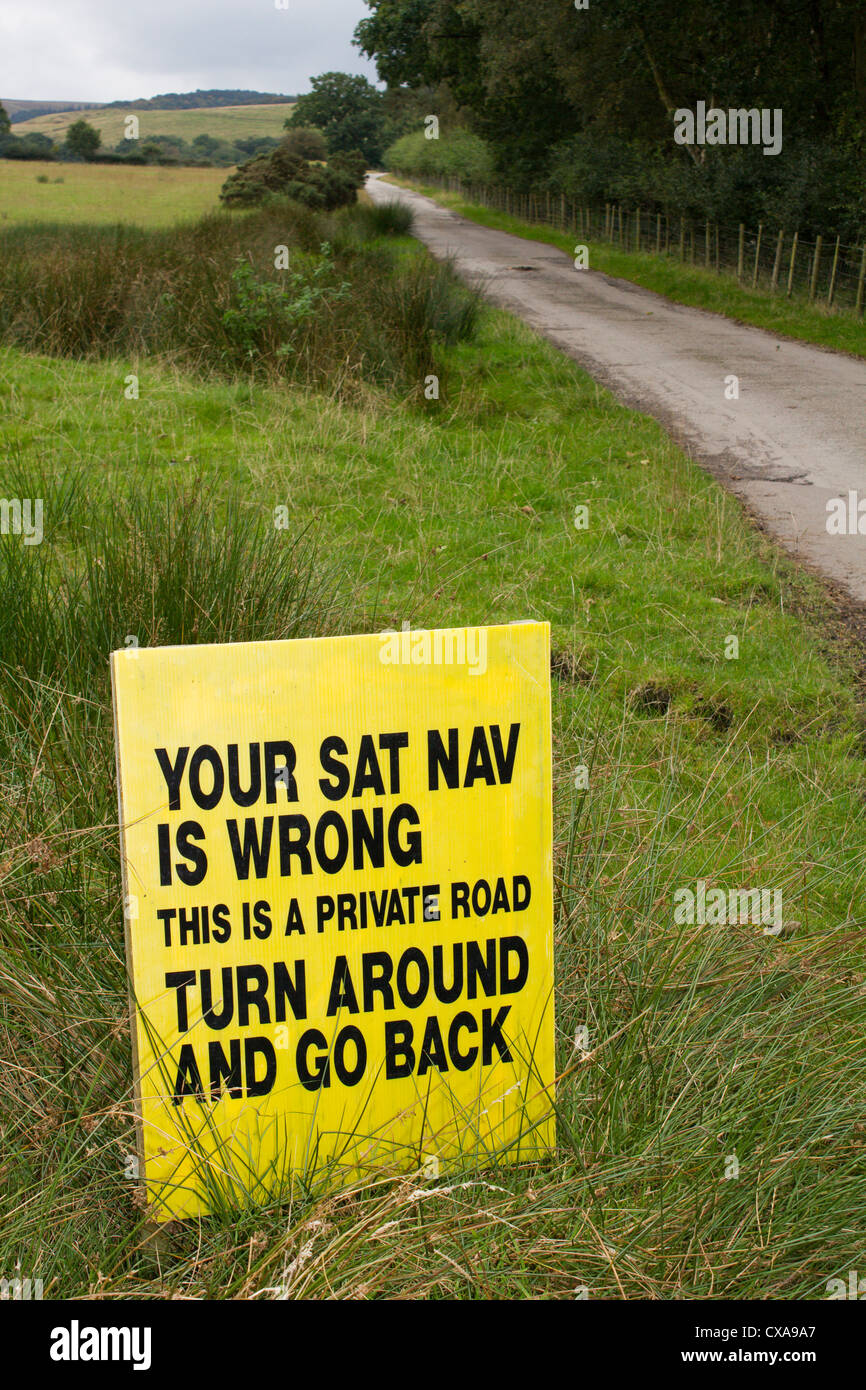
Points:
(387, 219)
(457, 152)
(284, 172)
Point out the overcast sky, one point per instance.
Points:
(110, 50)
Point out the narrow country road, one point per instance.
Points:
(796, 436)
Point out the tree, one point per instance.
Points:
(5, 123)
(307, 142)
(348, 110)
(83, 140)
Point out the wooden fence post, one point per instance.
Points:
(861, 281)
(707, 244)
(833, 272)
(658, 232)
(757, 256)
(717, 248)
(682, 240)
(741, 246)
(774, 283)
(791, 266)
(814, 278)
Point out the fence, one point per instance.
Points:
(782, 262)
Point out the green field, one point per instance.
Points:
(222, 122)
(680, 1048)
(106, 193)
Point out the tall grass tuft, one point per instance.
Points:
(352, 305)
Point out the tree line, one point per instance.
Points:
(580, 98)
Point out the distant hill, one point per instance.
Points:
(222, 122)
(199, 99)
(26, 110)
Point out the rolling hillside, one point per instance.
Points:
(223, 122)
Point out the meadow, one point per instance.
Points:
(43, 191)
(711, 1094)
(222, 122)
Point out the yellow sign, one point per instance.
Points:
(338, 903)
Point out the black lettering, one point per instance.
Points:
(481, 898)
(363, 838)
(438, 760)
(259, 1047)
(253, 848)
(491, 1035)
(224, 1068)
(287, 989)
(181, 981)
(432, 1048)
(504, 764)
(320, 1076)
(350, 1076)
(459, 899)
(368, 774)
(206, 800)
(224, 1017)
(378, 907)
(500, 898)
(412, 853)
(342, 989)
(294, 848)
(222, 927)
(188, 1079)
(478, 763)
(446, 994)
(188, 831)
(416, 957)
(334, 791)
(392, 744)
(252, 990)
(332, 864)
(461, 1060)
(521, 902)
(236, 791)
(377, 968)
(187, 926)
(399, 1056)
(172, 775)
(273, 751)
(163, 839)
(165, 915)
(513, 945)
(478, 968)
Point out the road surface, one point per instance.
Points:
(795, 437)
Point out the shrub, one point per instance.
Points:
(457, 152)
(284, 172)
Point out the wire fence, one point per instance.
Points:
(823, 271)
